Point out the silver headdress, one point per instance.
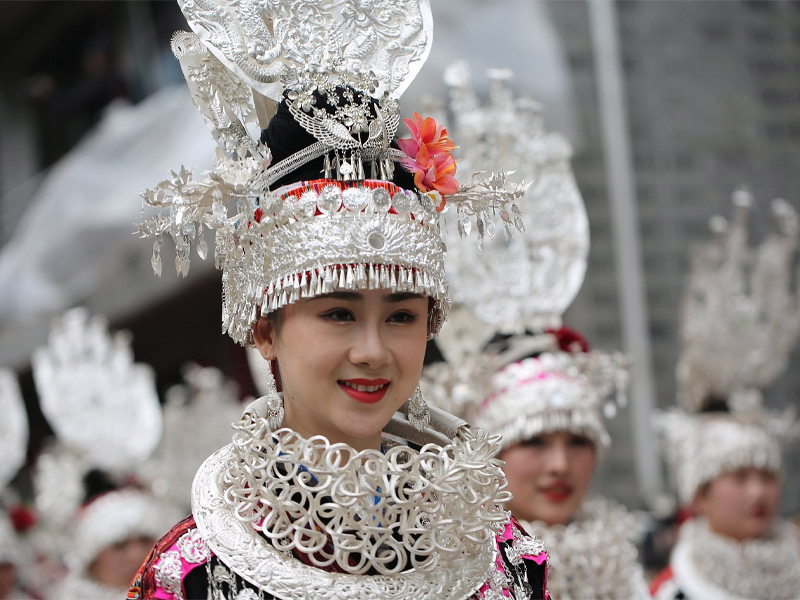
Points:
(13, 427)
(340, 67)
(740, 321)
(100, 404)
(197, 421)
(525, 284)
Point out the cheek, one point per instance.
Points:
(522, 466)
(772, 494)
(725, 499)
(582, 465)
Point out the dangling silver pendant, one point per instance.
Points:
(274, 411)
(418, 414)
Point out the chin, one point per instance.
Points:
(556, 515)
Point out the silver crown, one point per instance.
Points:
(741, 317)
(100, 404)
(352, 230)
(740, 321)
(541, 270)
(524, 283)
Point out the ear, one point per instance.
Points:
(264, 338)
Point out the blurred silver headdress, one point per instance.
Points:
(197, 421)
(740, 321)
(13, 427)
(100, 404)
(520, 285)
(340, 66)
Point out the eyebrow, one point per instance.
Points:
(393, 298)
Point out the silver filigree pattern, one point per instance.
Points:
(303, 47)
(168, 573)
(354, 58)
(435, 511)
(596, 551)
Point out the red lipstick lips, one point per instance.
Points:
(367, 391)
(557, 493)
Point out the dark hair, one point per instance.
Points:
(714, 404)
(284, 136)
(97, 483)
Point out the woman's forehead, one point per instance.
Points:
(385, 295)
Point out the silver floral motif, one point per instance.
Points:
(378, 47)
(168, 573)
(192, 547)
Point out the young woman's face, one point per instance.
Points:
(347, 360)
(740, 504)
(549, 476)
(116, 565)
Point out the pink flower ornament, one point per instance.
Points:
(429, 156)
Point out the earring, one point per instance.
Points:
(274, 403)
(418, 414)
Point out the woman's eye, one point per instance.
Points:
(338, 315)
(402, 316)
(535, 442)
(579, 441)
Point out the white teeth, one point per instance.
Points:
(363, 388)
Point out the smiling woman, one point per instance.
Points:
(340, 482)
(365, 351)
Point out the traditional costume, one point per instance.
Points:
(543, 378)
(740, 320)
(275, 515)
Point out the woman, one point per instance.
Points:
(339, 283)
(110, 535)
(735, 546)
(542, 391)
(723, 446)
(547, 408)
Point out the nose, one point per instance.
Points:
(557, 459)
(369, 348)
